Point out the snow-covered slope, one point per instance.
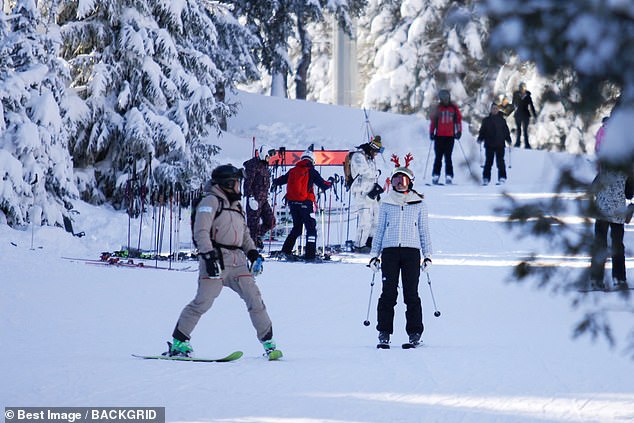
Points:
(500, 352)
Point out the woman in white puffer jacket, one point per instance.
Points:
(402, 239)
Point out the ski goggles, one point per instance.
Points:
(400, 179)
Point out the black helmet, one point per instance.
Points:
(444, 96)
(226, 175)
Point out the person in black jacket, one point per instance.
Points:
(523, 104)
(494, 133)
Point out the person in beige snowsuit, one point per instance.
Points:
(225, 247)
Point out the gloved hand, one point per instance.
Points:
(458, 135)
(256, 259)
(258, 266)
(479, 141)
(273, 187)
(425, 265)
(375, 264)
(253, 203)
(252, 255)
(432, 137)
(211, 263)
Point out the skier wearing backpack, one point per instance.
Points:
(365, 191)
(225, 247)
(257, 183)
(401, 239)
(445, 126)
(300, 197)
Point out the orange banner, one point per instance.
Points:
(322, 157)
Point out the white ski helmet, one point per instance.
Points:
(406, 171)
(308, 155)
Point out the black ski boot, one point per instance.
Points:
(384, 341)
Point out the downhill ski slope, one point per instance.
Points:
(499, 352)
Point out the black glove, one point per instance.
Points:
(375, 264)
(253, 255)
(426, 264)
(211, 263)
(458, 135)
(273, 187)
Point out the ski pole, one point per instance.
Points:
(481, 160)
(366, 322)
(436, 312)
(466, 160)
(427, 161)
(510, 158)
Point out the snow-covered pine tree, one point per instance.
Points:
(592, 44)
(285, 30)
(37, 182)
(421, 47)
(152, 74)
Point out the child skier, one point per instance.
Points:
(402, 235)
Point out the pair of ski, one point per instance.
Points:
(405, 346)
(273, 356)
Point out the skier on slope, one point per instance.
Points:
(402, 235)
(445, 126)
(365, 191)
(221, 235)
(524, 109)
(300, 197)
(494, 133)
(257, 183)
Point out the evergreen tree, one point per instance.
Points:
(562, 39)
(37, 182)
(278, 23)
(153, 76)
(421, 47)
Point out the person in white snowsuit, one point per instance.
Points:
(365, 191)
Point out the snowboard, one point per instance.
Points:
(231, 357)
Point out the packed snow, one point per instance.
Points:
(499, 352)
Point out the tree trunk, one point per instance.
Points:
(301, 76)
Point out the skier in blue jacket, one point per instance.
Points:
(401, 238)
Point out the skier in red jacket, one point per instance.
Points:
(445, 126)
(301, 202)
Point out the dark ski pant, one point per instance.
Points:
(521, 124)
(496, 153)
(301, 214)
(601, 252)
(260, 221)
(405, 261)
(443, 148)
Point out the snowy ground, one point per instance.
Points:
(500, 352)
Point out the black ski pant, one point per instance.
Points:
(496, 153)
(600, 253)
(301, 214)
(405, 261)
(521, 124)
(260, 221)
(443, 148)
